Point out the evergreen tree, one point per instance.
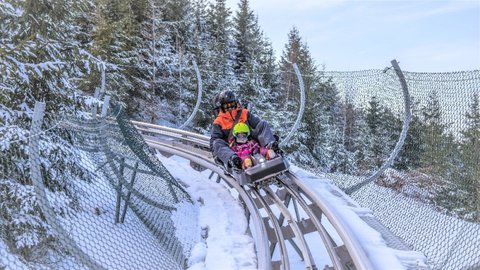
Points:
(391, 126)
(151, 34)
(223, 49)
(326, 128)
(363, 143)
(322, 124)
(176, 80)
(40, 60)
(201, 31)
(373, 155)
(128, 56)
(384, 130)
(432, 157)
(268, 68)
(472, 133)
(248, 41)
(107, 45)
(204, 55)
(471, 156)
(269, 80)
(296, 51)
(177, 11)
(409, 156)
(351, 138)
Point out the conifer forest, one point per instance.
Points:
(55, 51)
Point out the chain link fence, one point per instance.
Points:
(110, 204)
(430, 197)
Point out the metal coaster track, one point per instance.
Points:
(284, 199)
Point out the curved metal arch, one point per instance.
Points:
(302, 106)
(199, 96)
(43, 202)
(406, 123)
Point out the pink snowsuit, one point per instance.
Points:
(246, 150)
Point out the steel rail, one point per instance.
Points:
(276, 228)
(172, 130)
(324, 235)
(347, 235)
(275, 223)
(353, 246)
(196, 155)
(307, 257)
(261, 203)
(183, 138)
(260, 236)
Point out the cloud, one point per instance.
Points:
(427, 35)
(426, 9)
(442, 57)
(283, 5)
(301, 5)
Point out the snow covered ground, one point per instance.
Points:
(224, 243)
(228, 245)
(447, 241)
(222, 219)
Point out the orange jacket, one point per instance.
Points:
(226, 119)
(222, 125)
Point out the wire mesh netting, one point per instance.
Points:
(430, 198)
(109, 205)
(112, 205)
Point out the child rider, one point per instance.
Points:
(245, 147)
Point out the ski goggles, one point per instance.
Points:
(241, 135)
(241, 138)
(229, 106)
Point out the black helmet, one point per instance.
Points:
(225, 96)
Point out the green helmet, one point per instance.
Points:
(241, 128)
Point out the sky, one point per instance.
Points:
(423, 36)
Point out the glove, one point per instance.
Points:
(272, 145)
(236, 163)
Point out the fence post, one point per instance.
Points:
(102, 84)
(403, 134)
(302, 106)
(199, 97)
(127, 199)
(106, 104)
(37, 118)
(37, 181)
(119, 192)
(95, 105)
(478, 194)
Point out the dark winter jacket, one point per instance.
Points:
(219, 144)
